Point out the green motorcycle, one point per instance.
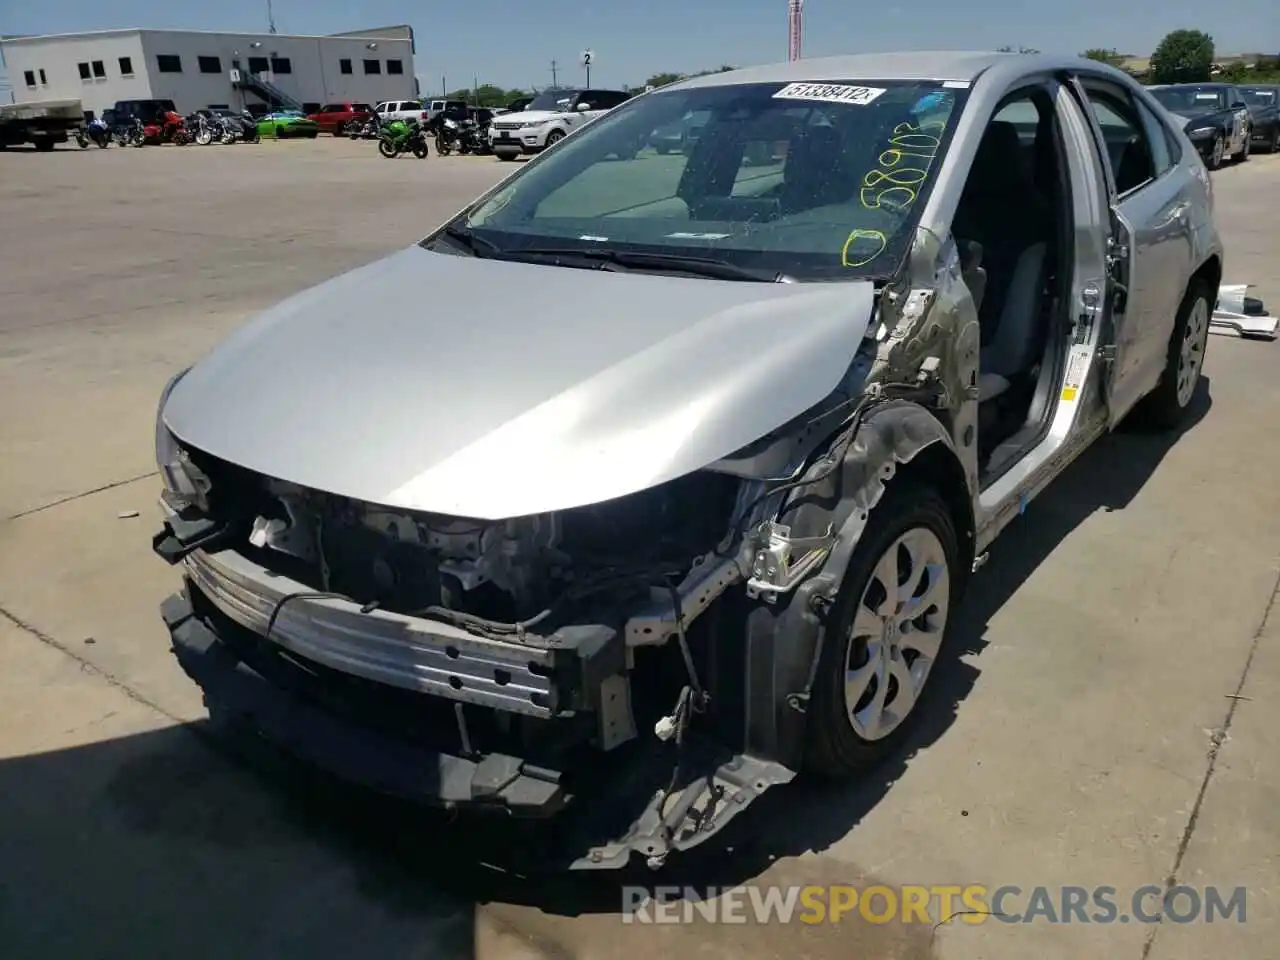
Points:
(402, 136)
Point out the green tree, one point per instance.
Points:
(1104, 55)
(1238, 72)
(1183, 56)
(662, 79)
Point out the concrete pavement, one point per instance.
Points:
(1107, 722)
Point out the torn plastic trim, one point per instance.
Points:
(892, 436)
(716, 793)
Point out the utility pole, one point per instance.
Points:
(271, 19)
(444, 86)
(555, 83)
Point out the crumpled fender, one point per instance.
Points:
(784, 640)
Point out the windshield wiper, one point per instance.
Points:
(629, 260)
(471, 241)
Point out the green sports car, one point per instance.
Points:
(286, 123)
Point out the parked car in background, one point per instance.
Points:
(335, 117)
(688, 502)
(148, 111)
(454, 109)
(285, 124)
(389, 110)
(1214, 115)
(679, 137)
(1263, 101)
(549, 118)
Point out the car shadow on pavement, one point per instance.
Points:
(147, 845)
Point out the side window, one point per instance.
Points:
(1128, 147)
(1158, 137)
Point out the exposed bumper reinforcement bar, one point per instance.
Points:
(616, 811)
(362, 756)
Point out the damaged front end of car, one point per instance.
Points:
(636, 669)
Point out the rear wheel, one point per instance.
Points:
(1167, 405)
(44, 145)
(885, 634)
(1273, 145)
(1246, 147)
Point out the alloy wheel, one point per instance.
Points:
(896, 633)
(1191, 352)
(1218, 147)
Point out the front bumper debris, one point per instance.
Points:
(601, 811)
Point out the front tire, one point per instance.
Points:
(388, 150)
(1215, 152)
(1167, 405)
(885, 634)
(554, 137)
(420, 150)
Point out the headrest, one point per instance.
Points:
(999, 163)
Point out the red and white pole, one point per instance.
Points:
(795, 28)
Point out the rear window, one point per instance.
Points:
(330, 108)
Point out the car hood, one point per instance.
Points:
(491, 389)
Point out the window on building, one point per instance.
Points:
(344, 65)
(210, 64)
(281, 65)
(43, 79)
(126, 66)
(99, 69)
(30, 77)
(395, 66)
(258, 64)
(84, 70)
(168, 63)
(373, 66)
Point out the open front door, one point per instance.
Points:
(1114, 308)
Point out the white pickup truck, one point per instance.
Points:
(43, 124)
(549, 119)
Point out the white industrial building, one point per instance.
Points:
(199, 69)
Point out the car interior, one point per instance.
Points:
(1013, 225)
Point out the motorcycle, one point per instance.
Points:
(249, 128)
(402, 136)
(466, 137)
(368, 130)
(205, 130)
(133, 133)
(97, 132)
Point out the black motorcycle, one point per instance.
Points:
(249, 128)
(368, 130)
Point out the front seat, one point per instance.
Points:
(810, 176)
(1003, 210)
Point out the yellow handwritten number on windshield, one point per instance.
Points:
(876, 242)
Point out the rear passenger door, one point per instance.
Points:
(1151, 253)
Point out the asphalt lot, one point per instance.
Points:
(1111, 722)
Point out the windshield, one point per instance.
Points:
(552, 100)
(1258, 96)
(1191, 101)
(815, 181)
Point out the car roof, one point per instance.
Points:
(957, 65)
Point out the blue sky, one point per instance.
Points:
(512, 42)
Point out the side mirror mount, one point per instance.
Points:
(582, 107)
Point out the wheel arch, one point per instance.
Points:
(896, 442)
(1209, 272)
